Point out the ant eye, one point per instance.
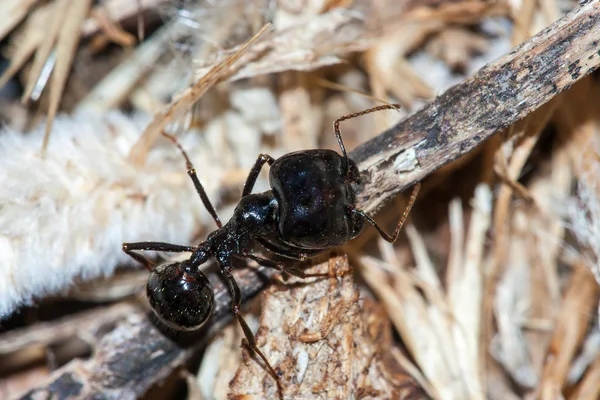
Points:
(182, 298)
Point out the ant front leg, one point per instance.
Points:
(194, 177)
(236, 300)
(283, 268)
(129, 249)
(392, 238)
(251, 180)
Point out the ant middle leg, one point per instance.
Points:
(392, 238)
(236, 300)
(282, 267)
(281, 252)
(194, 177)
(130, 248)
(251, 180)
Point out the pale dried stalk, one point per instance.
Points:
(580, 299)
(318, 42)
(529, 130)
(589, 387)
(122, 79)
(510, 299)
(13, 11)
(578, 123)
(471, 112)
(29, 38)
(117, 10)
(56, 20)
(465, 292)
(182, 103)
(423, 314)
(66, 45)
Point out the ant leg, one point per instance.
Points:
(236, 299)
(336, 125)
(280, 252)
(192, 174)
(281, 267)
(129, 248)
(251, 180)
(392, 238)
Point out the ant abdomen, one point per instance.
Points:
(180, 295)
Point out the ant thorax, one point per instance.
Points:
(255, 214)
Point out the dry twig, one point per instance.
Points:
(500, 94)
(128, 360)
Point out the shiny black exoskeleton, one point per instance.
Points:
(310, 208)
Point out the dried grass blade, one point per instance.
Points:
(188, 98)
(55, 20)
(579, 302)
(115, 86)
(531, 128)
(425, 267)
(448, 379)
(589, 388)
(457, 242)
(509, 346)
(411, 317)
(29, 38)
(112, 30)
(13, 12)
(66, 45)
(465, 292)
(118, 10)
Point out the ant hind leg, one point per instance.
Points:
(236, 299)
(283, 268)
(129, 249)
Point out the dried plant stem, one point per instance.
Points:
(128, 360)
(500, 94)
(47, 333)
(192, 95)
(589, 388)
(580, 299)
(66, 45)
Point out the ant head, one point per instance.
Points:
(180, 295)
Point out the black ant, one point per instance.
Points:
(310, 208)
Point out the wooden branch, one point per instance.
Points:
(135, 355)
(467, 114)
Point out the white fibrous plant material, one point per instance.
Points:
(584, 216)
(64, 216)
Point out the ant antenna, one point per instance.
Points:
(192, 174)
(338, 134)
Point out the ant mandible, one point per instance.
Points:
(310, 208)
